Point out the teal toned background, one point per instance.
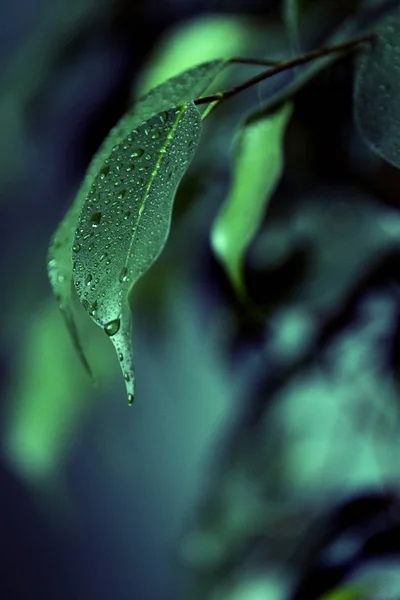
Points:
(246, 439)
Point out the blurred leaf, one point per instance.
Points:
(49, 396)
(177, 90)
(347, 592)
(377, 91)
(361, 23)
(202, 39)
(257, 170)
(125, 221)
(291, 16)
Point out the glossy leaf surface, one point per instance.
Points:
(173, 92)
(377, 91)
(125, 220)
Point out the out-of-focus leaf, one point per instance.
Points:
(198, 40)
(125, 220)
(48, 396)
(291, 15)
(361, 23)
(377, 91)
(176, 91)
(257, 170)
(347, 592)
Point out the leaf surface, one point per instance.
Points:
(125, 220)
(377, 91)
(178, 90)
(257, 169)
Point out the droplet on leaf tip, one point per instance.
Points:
(112, 327)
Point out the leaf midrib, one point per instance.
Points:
(156, 169)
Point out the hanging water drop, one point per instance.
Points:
(112, 327)
(130, 399)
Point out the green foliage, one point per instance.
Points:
(257, 168)
(124, 223)
(119, 222)
(178, 90)
(377, 91)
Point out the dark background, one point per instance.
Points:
(261, 457)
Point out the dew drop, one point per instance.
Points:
(121, 194)
(126, 377)
(95, 218)
(88, 280)
(137, 153)
(112, 327)
(120, 357)
(93, 308)
(130, 399)
(76, 247)
(123, 276)
(104, 172)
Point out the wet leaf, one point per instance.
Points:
(173, 92)
(257, 170)
(125, 220)
(377, 91)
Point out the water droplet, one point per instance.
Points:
(120, 356)
(112, 327)
(121, 194)
(148, 156)
(126, 377)
(103, 256)
(90, 248)
(95, 218)
(137, 153)
(76, 247)
(93, 309)
(123, 276)
(104, 171)
(88, 279)
(156, 135)
(130, 399)
(87, 236)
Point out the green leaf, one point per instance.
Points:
(377, 91)
(291, 16)
(257, 170)
(361, 23)
(125, 221)
(182, 88)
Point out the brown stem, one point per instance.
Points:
(283, 66)
(253, 61)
